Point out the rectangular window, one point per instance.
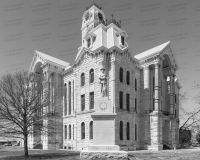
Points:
(153, 104)
(70, 132)
(135, 131)
(73, 132)
(175, 98)
(91, 100)
(65, 99)
(128, 101)
(121, 100)
(82, 102)
(135, 84)
(136, 105)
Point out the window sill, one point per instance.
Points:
(85, 112)
(68, 116)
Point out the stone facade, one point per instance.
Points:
(143, 89)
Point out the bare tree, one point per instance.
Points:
(24, 105)
(189, 118)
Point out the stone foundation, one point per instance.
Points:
(155, 147)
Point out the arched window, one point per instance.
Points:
(65, 132)
(135, 84)
(82, 130)
(128, 77)
(128, 131)
(91, 130)
(121, 74)
(82, 79)
(70, 98)
(121, 130)
(91, 75)
(70, 132)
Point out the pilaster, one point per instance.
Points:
(113, 88)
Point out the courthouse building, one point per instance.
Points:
(143, 89)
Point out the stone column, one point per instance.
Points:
(146, 77)
(147, 102)
(172, 94)
(46, 95)
(172, 111)
(157, 88)
(156, 116)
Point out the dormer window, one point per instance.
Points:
(122, 40)
(90, 39)
(88, 42)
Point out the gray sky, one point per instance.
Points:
(53, 27)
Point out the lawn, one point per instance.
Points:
(16, 153)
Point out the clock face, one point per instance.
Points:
(87, 17)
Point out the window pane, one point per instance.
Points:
(128, 131)
(135, 84)
(135, 131)
(91, 130)
(121, 100)
(82, 102)
(91, 76)
(70, 98)
(83, 130)
(128, 77)
(65, 132)
(82, 79)
(121, 75)
(91, 100)
(121, 130)
(128, 101)
(70, 132)
(122, 40)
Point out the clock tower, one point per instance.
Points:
(92, 16)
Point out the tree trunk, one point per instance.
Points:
(26, 146)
